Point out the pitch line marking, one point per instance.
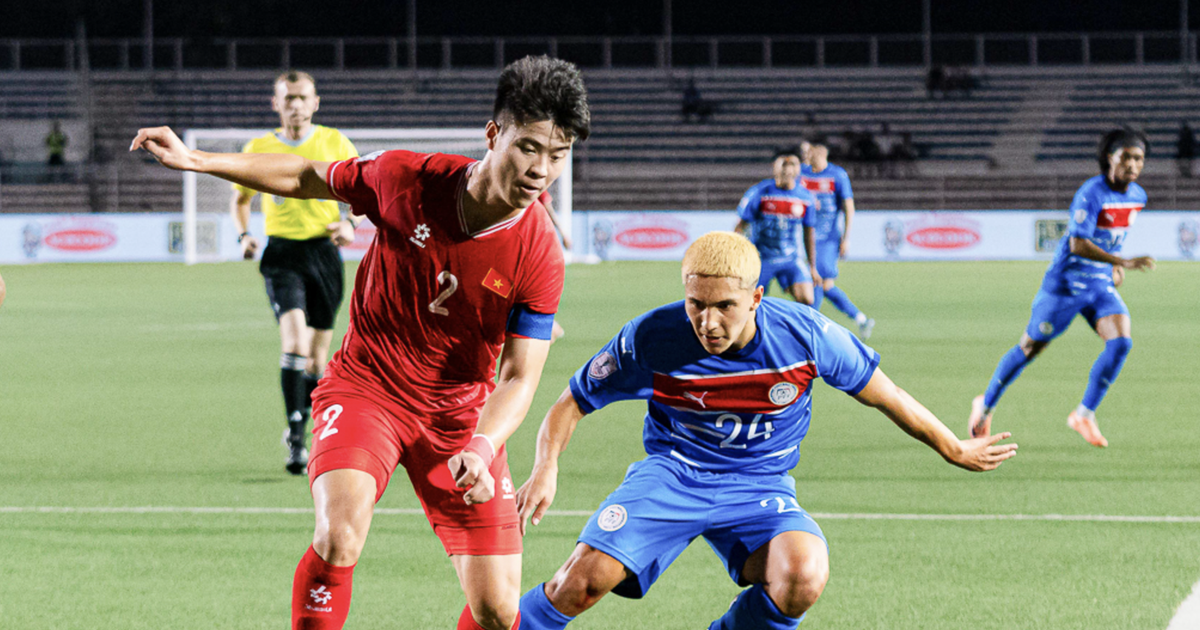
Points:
(849, 516)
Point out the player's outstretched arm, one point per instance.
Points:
(272, 173)
(537, 493)
(977, 454)
(1087, 249)
(521, 365)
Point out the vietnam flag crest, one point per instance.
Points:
(495, 282)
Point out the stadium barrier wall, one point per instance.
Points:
(885, 235)
(876, 235)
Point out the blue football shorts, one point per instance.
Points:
(663, 504)
(787, 271)
(827, 256)
(1053, 312)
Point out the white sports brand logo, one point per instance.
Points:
(419, 235)
(320, 595)
(783, 393)
(612, 518)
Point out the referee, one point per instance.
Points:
(301, 265)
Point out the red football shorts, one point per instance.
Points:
(351, 430)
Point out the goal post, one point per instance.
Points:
(208, 229)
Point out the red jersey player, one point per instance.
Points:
(465, 267)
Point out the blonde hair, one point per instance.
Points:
(724, 255)
(295, 76)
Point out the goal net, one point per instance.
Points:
(207, 233)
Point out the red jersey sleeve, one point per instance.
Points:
(542, 285)
(372, 183)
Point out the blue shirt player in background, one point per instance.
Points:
(830, 184)
(1083, 279)
(727, 375)
(772, 210)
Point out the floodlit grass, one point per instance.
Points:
(156, 385)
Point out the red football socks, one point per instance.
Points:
(320, 594)
(467, 622)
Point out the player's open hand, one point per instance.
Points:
(1143, 263)
(816, 276)
(983, 453)
(166, 147)
(469, 471)
(1118, 275)
(536, 494)
(843, 248)
(341, 233)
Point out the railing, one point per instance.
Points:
(1020, 49)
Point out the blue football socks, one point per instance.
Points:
(818, 296)
(838, 298)
(1007, 371)
(1105, 370)
(754, 610)
(537, 613)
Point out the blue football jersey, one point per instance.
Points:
(774, 215)
(1102, 216)
(744, 410)
(832, 188)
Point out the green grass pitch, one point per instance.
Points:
(156, 385)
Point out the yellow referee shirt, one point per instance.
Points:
(300, 219)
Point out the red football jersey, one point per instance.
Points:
(432, 303)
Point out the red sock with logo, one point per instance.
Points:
(320, 594)
(467, 622)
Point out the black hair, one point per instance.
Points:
(1121, 137)
(783, 151)
(539, 88)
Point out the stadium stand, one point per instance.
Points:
(1021, 138)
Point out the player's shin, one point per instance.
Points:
(754, 610)
(320, 594)
(1105, 370)
(842, 302)
(537, 613)
(1007, 371)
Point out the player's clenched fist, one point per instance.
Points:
(535, 496)
(165, 146)
(470, 471)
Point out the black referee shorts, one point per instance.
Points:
(307, 275)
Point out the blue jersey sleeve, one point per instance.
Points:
(614, 374)
(810, 212)
(842, 360)
(841, 187)
(1085, 210)
(748, 208)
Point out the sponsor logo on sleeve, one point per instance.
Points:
(1046, 328)
(602, 366)
(612, 518)
(1080, 215)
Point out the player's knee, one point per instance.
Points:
(1032, 348)
(1121, 345)
(495, 615)
(798, 582)
(574, 589)
(339, 543)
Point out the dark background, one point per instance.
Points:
(274, 18)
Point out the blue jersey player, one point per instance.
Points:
(830, 184)
(727, 377)
(771, 211)
(1083, 279)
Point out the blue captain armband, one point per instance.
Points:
(526, 323)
